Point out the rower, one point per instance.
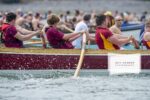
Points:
(110, 18)
(37, 25)
(83, 25)
(56, 38)
(28, 22)
(104, 37)
(116, 29)
(147, 35)
(11, 37)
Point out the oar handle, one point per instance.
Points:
(30, 43)
(84, 39)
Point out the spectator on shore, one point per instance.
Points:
(28, 25)
(110, 18)
(143, 17)
(37, 25)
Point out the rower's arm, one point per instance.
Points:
(92, 38)
(23, 30)
(74, 38)
(121, 36)
(25, 37)
(72, 35)
(117, 41)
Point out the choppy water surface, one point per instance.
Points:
(61, 86)
(137, 6)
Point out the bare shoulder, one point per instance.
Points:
(113, 28)
(147, 36)
(35, 21)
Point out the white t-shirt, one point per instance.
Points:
(79, 27)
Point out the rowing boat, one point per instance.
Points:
(43, 59)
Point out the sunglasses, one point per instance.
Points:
(119, 20)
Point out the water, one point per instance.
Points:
(57, 85)
(61, 86)
(137, 6)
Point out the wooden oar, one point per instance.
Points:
(81, 57)
(77, 71)
(35, 42)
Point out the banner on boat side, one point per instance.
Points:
(124, 63)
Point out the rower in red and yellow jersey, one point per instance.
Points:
(147, 34)
(102, 35)
(105, 39)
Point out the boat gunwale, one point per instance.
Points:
(50, 51)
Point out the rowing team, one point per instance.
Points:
(106, 38)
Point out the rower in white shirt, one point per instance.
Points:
(82, 25)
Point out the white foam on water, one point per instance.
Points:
(124, 87)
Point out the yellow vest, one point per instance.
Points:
(107, 44)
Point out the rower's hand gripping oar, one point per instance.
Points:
(77, 71)
(135, 43)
